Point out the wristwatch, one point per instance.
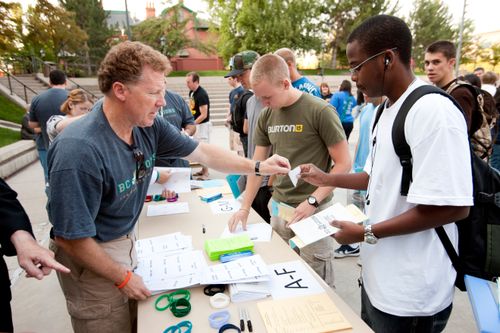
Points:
(370, 238)
(257, 168)
(312, 201)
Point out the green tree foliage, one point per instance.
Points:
(54, 30)
(91, 17)
(265, 25)
(429, 21)
(494, 57)
(10, 27)
(166, 34)
(340, 17)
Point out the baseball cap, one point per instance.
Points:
(241, 62)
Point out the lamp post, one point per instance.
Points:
(129, 33)
(163, 42)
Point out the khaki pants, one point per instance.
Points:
(94, 303)
(319, 255)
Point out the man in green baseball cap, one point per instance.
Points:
(241, 62)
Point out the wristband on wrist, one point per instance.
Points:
(246, 210)
(125, 281)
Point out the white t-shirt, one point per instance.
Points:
(412, 275)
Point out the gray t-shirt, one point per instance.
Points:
(46, 105)
(254, 107)
(176, 112)
(93, 189)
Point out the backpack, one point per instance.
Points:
(239, 110)
(483, 120)
(479, 233)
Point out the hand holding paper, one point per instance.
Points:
(348, 232)
(313, 175)
(275, 164)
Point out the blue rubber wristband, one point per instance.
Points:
(219, 319)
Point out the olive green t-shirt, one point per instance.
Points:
(301, 132)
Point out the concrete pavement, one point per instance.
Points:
(39, 306)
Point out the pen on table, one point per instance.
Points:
(242, 320)
(249, 322)
(203, 229)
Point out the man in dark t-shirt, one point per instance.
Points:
(44, 106)
(99, 172)
(177, 113)
(199, 103)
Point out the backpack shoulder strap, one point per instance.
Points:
(398, 132)
(404, 153)
(378, 113)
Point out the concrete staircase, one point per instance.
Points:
(18, 89)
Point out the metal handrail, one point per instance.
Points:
(9, 76)
(80, 87)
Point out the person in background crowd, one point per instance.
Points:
(325, 91)
(44, 106)
(177, 113)
(199, 103)
(343, 101)
(76, 106)
(479, 71)
(298, 81)
(489, 83)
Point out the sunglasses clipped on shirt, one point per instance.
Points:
(140, 166)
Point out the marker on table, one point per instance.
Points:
(203, 229)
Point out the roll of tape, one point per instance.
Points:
(219, 319)
(219, 301)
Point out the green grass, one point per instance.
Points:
(8, 136)
(10, 111)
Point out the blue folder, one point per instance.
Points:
(484, 303)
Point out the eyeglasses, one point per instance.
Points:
(140, 167)
(357, 68)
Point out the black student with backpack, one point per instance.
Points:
(407, 277)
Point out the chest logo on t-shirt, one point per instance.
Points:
(297, 128)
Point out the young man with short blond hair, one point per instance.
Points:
(304, 129)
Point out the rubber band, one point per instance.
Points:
(171, 298)
(180, 307)
(124, 282)
(213, 289)
(178, 328)
(219, 319)
(229, 327)
(219, 301)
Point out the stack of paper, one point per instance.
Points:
(318, 226)
(258, 232)
(178, 181)
(243, 292)
(168, 262)
(167, 209)
(164, 244)
(305, 314)
(216, 247)
(247, 269)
